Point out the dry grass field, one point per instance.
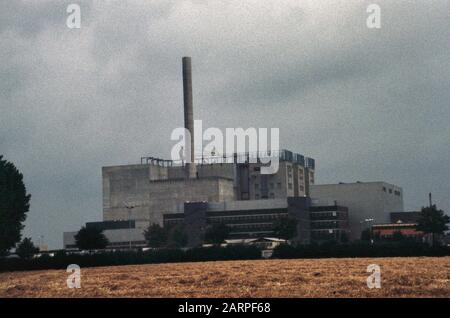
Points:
(400, 277)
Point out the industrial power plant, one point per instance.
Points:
(233, 191)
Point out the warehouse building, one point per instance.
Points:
(404, 223)
(368, 203)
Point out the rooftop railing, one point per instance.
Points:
(246, 157)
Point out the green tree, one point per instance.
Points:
(398, 236)
(366, 235)
(177, 236)
(433, 221)
(344, 237)
(156, 236)
(90, 238)
(285, 228)
(26, 249)
(14, 204)
(216, 233)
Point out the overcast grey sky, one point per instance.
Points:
(367, 104)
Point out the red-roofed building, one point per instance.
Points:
(387, 231)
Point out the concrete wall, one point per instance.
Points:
(298, 208)
(129, 185)
(224, 170)
(195, 222)
(165, 196)
(149, 189)
(366, 200)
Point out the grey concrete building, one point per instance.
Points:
(246, 219)
(233, 190)
(154, 189)
(144, 193)
(256, 218)
(367, 202)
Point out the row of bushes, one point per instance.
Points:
(62, 260)
(237, 252)
(360, 249)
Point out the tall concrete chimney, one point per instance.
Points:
(191, 170)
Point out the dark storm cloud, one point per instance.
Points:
(367, 104)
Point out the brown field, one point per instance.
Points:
(400, 277)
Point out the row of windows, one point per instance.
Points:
(271, 195)
(271, 185)
(404, 235)
(396, 192)
(328, 224)
(331, 215)
(324, 232)
(289, 170)
(316, 217)
(244, 218)
(289, 175)
(256, 226)
(311, 177)
(324, 214)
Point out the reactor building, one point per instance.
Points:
(229, 190)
